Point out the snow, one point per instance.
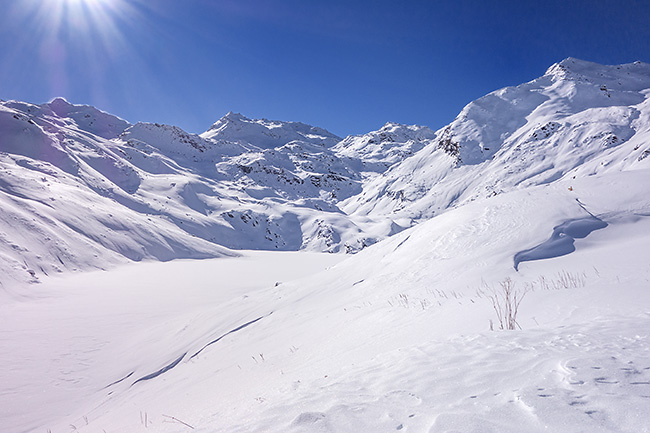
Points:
(97, 322)
(263, 133)
(541, 188)
(273, 185)
(556, 127)
(182, 195)
(562, 240)
(392, 336)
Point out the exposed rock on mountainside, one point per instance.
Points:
(80, 188)
(560, 125)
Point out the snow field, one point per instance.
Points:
(68, 339)
(542, 186)
(395, 338)
(581, 378)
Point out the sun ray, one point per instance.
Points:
(79, 18)
(76, 38)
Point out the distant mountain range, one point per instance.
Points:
(82, 189)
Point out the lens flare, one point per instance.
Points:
(73, 37)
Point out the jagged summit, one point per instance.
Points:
(571, 64)
(231, 116)
(59, 101)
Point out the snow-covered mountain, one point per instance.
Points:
(378, 150)
(540, 191)
(263, 133)
(84, 180)
(75, 179)
(578, 119)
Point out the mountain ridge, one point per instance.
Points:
(94, 182)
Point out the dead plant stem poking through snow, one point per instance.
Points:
(505, 301)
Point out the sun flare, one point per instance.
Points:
(85, 2)
(63, 31)
(90, 16)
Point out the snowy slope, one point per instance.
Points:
(252, 184)
(69, 199)
(261, 184)
(393, 338)
(578, 119)
(73, 199)
(540, 188)
(60, 112)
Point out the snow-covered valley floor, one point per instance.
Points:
(394, 338)
(65, 339)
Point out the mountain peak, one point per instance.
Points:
(406, 131)
(60, 102)
(231, 115)
(572, 62)
(388, 125)
(88, 118)
(229, 118)
(265, 133)
(61, 107)
(572, 68)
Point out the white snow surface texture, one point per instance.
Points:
(542, 189)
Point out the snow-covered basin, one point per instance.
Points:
(68, 338)
(395, 338)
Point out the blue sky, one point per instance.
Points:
(347, 66)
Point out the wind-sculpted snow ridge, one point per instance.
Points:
(562, 240)
(81, 189)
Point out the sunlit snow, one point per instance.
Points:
(110, 322)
